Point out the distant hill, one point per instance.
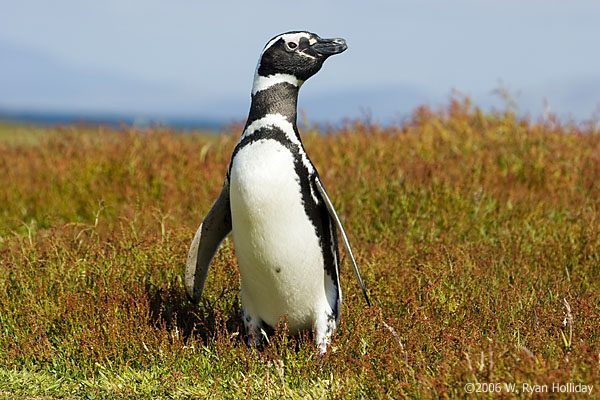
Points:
(33, 80)
(35, 86)
(114, 120)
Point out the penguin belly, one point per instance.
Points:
(278, 250)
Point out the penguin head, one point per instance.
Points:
(298, 54)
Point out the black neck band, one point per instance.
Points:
(281, 98)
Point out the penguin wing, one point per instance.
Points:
(335, 217)
(214, 229)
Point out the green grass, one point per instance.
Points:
(477, 236)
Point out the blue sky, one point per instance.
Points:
(196, 59)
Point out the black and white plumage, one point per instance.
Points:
(283, 223)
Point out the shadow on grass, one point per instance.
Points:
(213, 318)
(171, 309)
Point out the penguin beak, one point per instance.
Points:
(329, 47)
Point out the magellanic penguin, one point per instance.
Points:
(283, 222)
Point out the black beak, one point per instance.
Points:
(329, 47)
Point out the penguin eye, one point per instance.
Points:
(292, 45)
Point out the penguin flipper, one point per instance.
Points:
(335, 217)
(214, 229)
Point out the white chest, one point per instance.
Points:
(278, 251)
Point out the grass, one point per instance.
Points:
(477, 236)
